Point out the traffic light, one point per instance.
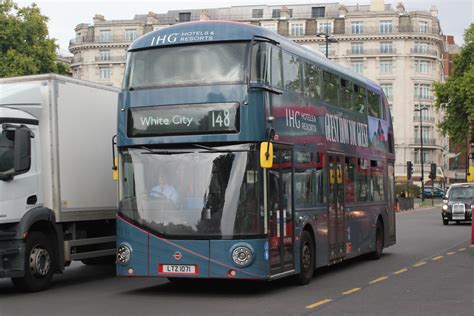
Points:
(409, 170)
(433, 171)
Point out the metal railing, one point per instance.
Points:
(99, 40)
(373, 51)
(427, 141)
(424, 97)
(423, 51)
(416, 118)
(374, 30)
(110, 59)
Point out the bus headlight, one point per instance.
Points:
(242, 255)
(445, 207)
(124, 253)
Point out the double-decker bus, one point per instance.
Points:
(243, 155)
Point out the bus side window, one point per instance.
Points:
(312, 81)
(350, 179)
(346, 93)
(276, 73)
(374, 105)
(292, 71)
(359, 100)
(260, 63)
(330, 88)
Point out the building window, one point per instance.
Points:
(184, 17)
(357, 48)
(426, 153)
(130, 35)
(386, 47)
(422, 47)
(386, 27)
(318, 12)
(104, 73)
(325, 28)
(386, 66)
(388, 90)
(105, 36)
(270, 26)
(257, 13)
(423, 27)
(422, 66)
(296, 29)
(322, 49)
(104, 55)
(357, 27)
(422, 91)
(357, 66)
(276, 13)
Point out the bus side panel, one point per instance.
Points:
(359, 219)
(137, 240)
(179, 252)
(221, 259)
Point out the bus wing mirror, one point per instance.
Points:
(266, 155)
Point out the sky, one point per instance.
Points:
(455, 15)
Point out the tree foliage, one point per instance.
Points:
(25, 47)
(456, 95)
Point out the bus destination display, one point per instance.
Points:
(181, 120)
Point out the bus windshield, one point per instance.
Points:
(207, 193)
(187, 65)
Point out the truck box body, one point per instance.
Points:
(57, 194)
(76, 126)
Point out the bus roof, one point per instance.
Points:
(220, 31)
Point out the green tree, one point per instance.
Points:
(456, 95)
(25, 47)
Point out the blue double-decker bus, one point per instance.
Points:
(243, 155)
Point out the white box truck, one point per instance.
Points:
(57, 195)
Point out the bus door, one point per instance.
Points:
(336, 216)
(280, 211)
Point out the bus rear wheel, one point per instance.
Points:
(306, 259)
(379, 237)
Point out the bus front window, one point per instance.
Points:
(187, 65)
(212, 194)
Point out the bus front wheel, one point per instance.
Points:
(306, 259)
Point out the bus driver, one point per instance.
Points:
(164, 190)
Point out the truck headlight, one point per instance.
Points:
(242, 255)
(124, 253)
(445, 207)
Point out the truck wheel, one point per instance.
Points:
(306, 259)
(38, 264)
(379, 237)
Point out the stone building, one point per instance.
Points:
(402, 50)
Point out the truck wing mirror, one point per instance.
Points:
(22, 150)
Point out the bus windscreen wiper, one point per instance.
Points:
(217, 150)
(163, 151)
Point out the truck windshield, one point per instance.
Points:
(197, 193)
(6, 150)
(187, 65)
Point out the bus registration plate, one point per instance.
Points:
(177, 269)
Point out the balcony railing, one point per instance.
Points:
(110, 59)
(371, 51)
(416, 118)
(99, 40)
(422, 51)
(424, 97)
(374, 30)
(427, 141)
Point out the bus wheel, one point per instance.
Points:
(306, 259)
(379, 237)
(38, 264)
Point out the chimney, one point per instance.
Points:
(204, 15)
(377, 5)
(401, 8)
(285, 13)
(98, 18)
(342, 11)
(434, 11)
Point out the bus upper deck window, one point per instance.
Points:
(374, 105)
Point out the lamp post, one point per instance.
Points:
(420, 109)
(328, 39)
